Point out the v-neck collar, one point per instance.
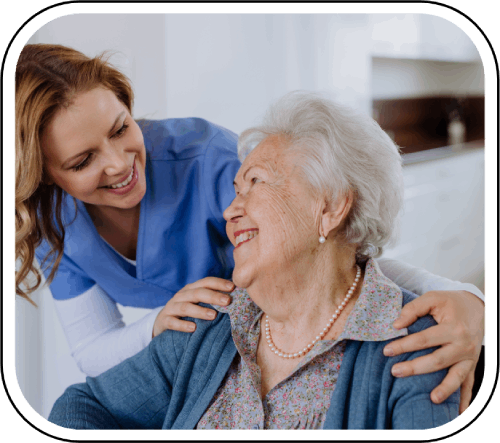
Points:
(86, 224)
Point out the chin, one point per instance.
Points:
(241, 278)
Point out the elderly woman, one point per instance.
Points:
(301, 344)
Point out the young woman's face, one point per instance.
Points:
(95, 151)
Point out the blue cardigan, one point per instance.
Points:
(171, 383)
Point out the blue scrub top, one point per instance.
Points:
(190, 168)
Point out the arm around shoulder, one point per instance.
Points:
(420, 281)
(97, 337)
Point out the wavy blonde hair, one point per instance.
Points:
(48, 77)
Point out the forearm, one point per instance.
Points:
(96, 334)
(115, 346)
(420, 281)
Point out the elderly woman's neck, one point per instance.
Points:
(310, 290)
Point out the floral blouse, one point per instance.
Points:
(302, 399)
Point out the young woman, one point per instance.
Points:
(119, 211)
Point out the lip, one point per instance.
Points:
(241, 232)
(244, 230)
(123, 177)
(126, 189)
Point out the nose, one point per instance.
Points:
(235, 210)
(116, 161)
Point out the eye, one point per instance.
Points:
(84, 163)
(255, 180)
(120, 131)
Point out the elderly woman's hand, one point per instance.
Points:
(184, 304)
(459, 332)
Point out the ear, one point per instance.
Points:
(335, 213)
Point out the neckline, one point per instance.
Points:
(140, 237)
(132, 262)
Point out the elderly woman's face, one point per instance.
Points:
(274, 220)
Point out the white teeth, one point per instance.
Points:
(125, 182)
(245, 236)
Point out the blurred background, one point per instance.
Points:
(419, 76)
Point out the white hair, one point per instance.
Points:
(341, 151)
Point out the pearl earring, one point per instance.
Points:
(322, 239)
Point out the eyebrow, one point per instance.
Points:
(69, 160)
(248, 170)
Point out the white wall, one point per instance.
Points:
(229, 68)
(137, 42)
(224, 68)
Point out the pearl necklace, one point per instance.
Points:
(304, 351)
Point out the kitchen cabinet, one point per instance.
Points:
(442, 226)
(420, 36)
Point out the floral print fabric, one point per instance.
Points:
(301, 400)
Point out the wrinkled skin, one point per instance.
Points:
(283, 267)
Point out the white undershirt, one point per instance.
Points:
(98, 338)
(132, 262)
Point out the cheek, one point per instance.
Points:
(78, 183)
(136, 137)
(288, 221)
(139, 143)
(88, 183)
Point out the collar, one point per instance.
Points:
(378, 306)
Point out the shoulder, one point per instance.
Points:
(201, 335)
(184, 138)
(208, 340)
(409, 397)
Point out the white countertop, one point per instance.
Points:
(443, 152)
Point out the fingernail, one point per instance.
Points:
(396, 372)
(229, 285)
(388, 352)
(191, 327)
(211, 314)
(438, 396)
(225, 300)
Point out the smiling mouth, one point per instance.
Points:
(124, 182)
(245, 236)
